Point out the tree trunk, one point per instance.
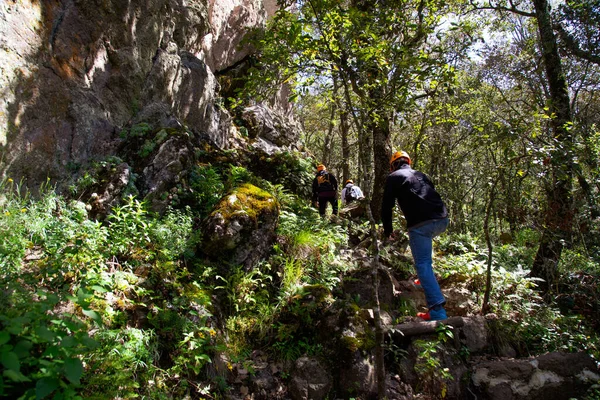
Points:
(379, 329)
(344, 130)
(559, 212)
(382, 152)
(365, 156)
(486, 229)
(327, 144)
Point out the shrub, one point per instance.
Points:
(130, 225)
(207, 187)
(40, 348)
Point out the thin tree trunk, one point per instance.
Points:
(344, 132)
(366, 167)
(327, 145)
(486, 228)
(382, 152)
(379, 330)
(559, 212)
(589, 195)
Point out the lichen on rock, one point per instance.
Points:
(241, 228)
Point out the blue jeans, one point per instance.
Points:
(421, 247)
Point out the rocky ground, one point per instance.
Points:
(457, 359)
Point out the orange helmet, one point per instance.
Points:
(397, 155)
(349, 181)
(320, 167)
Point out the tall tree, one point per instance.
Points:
(559, 212)
(558, 216)
(384, 58)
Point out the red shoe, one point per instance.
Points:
(424, 315)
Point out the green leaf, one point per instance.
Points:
(90, 343)
(4, 337)
(45, 333)
(15, 376)
(68, 342)
(45, 386)
(22, 348)
(93, 315)
(6, 347)
(17, 325)
(51, 351)
(73, 370)
(99, 289)
(10, 360)
(72, 326)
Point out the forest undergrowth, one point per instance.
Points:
(129, 308)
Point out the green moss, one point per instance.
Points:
(350, 343)
(364, 338)
(246, 199)
(138, 130)
(147, 148)
(150, 144)
(355, 308)
(363, 341)
(161, 136)
(193, 292)
(318, 291)
(367, 340)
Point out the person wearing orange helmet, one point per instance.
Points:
(324, 190)
(426, 217)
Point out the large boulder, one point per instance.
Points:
(166, 168)
(241, 229)
(231, 20)
(310, 380)
(551, 376)
(188, 88)
(358, 375)
(73, 73)
(358, 285)
(269, 126)
(474, 334)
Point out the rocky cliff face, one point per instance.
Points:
(73, 73)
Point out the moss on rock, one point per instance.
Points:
(243, 221)
(248, 200)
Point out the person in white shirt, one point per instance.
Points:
(351, 192)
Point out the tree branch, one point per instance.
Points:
(571, 44)
(512, 9)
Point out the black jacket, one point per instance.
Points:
(416, 196)
(327, 187)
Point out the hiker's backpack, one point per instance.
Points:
(324, 183)
(350, 195)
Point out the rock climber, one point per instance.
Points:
(324, 190)
(426, 217)
(351, 192)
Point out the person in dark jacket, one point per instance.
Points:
(426, 217)
(324, 190)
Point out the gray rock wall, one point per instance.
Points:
(74, 72)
